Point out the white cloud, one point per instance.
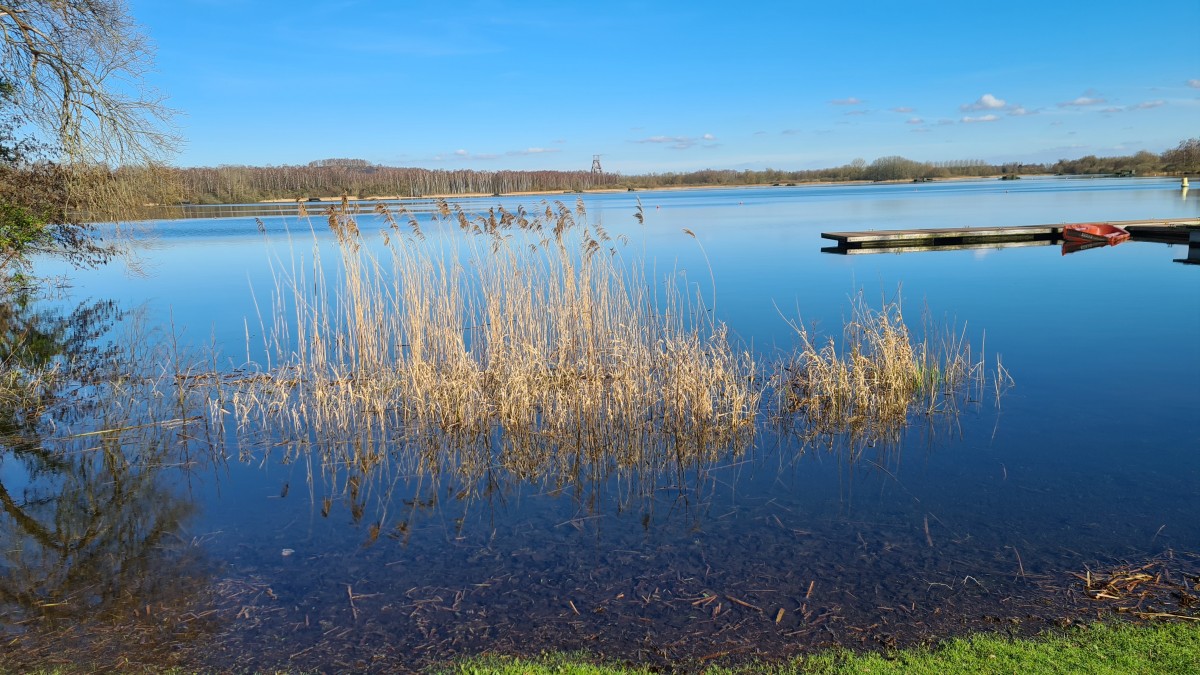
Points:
(1020, 111)
(1144, 105)
(531, 151)
(902, 109)
(985, 102)
(981, 118)
(1194, 84)
(915, 120)
(464, 154)
(675, 142)
(1083, 102)
(847, 101)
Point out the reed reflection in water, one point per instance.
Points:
(96, 433)
(532, 347)
(523, 350)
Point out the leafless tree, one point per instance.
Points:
(76, 69)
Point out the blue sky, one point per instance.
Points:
(671, 86)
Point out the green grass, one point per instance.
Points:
(1099, 649)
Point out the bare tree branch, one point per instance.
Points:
(78, 72)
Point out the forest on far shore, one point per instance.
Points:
(358, 178)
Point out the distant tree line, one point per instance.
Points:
(1183, 158)
(358, 178)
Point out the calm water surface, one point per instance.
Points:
(1093, 457)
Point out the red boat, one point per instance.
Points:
(1069, 247)
(1102, 233)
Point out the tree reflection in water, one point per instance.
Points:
(102, 423)
(90, 511)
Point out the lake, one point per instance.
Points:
(192, 548)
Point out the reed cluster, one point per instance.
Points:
(474, 350)
(868, 384)
(515, 340)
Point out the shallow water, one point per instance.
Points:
(1093, 457)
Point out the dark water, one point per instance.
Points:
(253, 560)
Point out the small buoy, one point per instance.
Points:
(1183, 184)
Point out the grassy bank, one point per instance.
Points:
(1100, 648)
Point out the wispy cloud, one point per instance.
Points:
(982, 118)
(902, 109)
(915, 120)
(1194, 84)
(1089, 98)
(679, 142)
(857, 112)
(1144, 105)
(462, 154)
(664, 139)
(985, 102)
(531, 151)
(1127, 146)
(1021, 111)
(847, 101)
(1147, 105)
(790, 132)
(1074, 147)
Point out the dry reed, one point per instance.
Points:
(525, 343)
(867, 386)
(514, 343)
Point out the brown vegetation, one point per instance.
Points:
(530, 345)
(867, 385)
(361, 179)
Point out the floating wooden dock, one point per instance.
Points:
(1165, 231)
(918, 248)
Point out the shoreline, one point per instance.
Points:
(666, 188)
